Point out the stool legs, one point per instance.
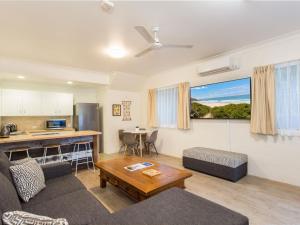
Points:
(60, 154)
(87, 156)
(27, 152)
(77, 157)
(10, 153)
(76, 150)
(45, 155)
(18, 150)
(92, 156)
(58, 151)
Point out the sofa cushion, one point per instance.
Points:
(9, 200)
(28, 178)
(79, 208)
(176, 207)
(4, 166)
(24, 218)
(56, 187)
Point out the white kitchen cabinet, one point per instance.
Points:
(21, 103)
(35, 103)
(57, 104)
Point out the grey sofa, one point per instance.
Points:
(65, 196)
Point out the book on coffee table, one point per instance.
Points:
(151, 172)
(138, 166)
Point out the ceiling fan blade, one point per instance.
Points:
(146, 35)
(177, 46)
(144, 52)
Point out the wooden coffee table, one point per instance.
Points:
(136, 184)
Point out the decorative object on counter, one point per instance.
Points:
(12, 127)
(28, 178)
(126, 110)
(137, 128)
(5, 132)
(116, 110)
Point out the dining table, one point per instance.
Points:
(139, 132)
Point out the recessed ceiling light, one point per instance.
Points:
(116, 52)
(20, 77)
(69, 82)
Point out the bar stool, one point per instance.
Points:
(18, 149)
(87, 149)
(52, 146)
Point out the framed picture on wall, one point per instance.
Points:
(116, 110)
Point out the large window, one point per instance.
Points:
(287, 86)
(167, 102)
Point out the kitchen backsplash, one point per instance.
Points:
(26, 123)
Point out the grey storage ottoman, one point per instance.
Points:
(228, 165)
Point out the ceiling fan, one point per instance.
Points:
(154, 41)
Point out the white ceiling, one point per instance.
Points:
(76, 33)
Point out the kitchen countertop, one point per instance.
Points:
(47, 136)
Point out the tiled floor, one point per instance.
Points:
(264, 202)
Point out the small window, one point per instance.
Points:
(287, 86)
(167, 102)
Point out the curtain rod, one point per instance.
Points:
(289, 61)
(167, 86)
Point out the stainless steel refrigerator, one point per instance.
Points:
(88, 116)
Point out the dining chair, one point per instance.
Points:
(150, 141)
(130, 142)
(121, 134)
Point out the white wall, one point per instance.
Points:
(113, 123)
(275, 158)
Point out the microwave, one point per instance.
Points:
(56, 124)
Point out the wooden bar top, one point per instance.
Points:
(47, 136)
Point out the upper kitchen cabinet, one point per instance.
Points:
(21, 103)
(35, 103)
(57, 104)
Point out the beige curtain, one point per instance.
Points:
(183, 114)
(263, 100)
(152, 108)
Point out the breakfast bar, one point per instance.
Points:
(36, 140)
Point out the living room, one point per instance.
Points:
(157, 81)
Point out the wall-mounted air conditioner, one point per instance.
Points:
(220, 65)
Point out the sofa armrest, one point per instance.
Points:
(54, 170)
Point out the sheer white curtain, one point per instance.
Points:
(287, 86)
(167, 102)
